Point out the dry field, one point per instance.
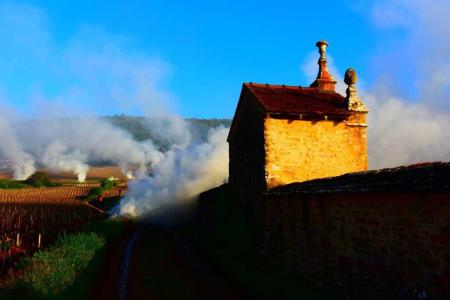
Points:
(94, 173)
(34, 217)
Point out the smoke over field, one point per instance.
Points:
(176, 159)
(22, 163)
(182, 173)
(71, 144)
(93, 72)
(174, 166)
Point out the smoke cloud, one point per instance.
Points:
(93, 72)
(71, 144)
(402, 133)
(410, 107)
(183, 172)
(90, 73)
(22, 162)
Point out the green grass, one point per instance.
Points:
(12, 184)
(109, 230)
(49, 272)
(21, 184)
(95, 191)
(67, 269)
(40, 179)
(231, 245)
(105, 184)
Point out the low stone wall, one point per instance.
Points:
(367, 245)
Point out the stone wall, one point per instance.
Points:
(367, 245)
(246, 149)
(300, 150)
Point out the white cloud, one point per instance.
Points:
(404, 130)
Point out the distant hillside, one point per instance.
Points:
(140, 127)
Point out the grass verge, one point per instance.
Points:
(49, 272)
(67, 269)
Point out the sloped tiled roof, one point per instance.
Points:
(419, 177)
(284, 99)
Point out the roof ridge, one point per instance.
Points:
(294, 87)
(278, 85)
(296, 99)
(416, 177)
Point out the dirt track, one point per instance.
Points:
(105, 285)
(165, 264)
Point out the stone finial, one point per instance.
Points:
(353, 100)
(322, 45)
(324, 80)
(350, 77)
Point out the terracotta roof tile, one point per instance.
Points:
(419, 177)
(298, 100)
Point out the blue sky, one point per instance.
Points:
(144, 57)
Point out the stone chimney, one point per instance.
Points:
(324, 81)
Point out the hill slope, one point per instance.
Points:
(141, 128)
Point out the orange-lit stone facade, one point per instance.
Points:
(300, 150)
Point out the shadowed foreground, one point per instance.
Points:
(167, 265)
(164, 265)
(214, 259)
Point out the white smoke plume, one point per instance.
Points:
(58, 157)
(69, 144)
(89, 72)
(98, 70)
(22, 163)
(402, 133)
(183, 172)
(408, 127)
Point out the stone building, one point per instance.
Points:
(282, 134)
(382, 234)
